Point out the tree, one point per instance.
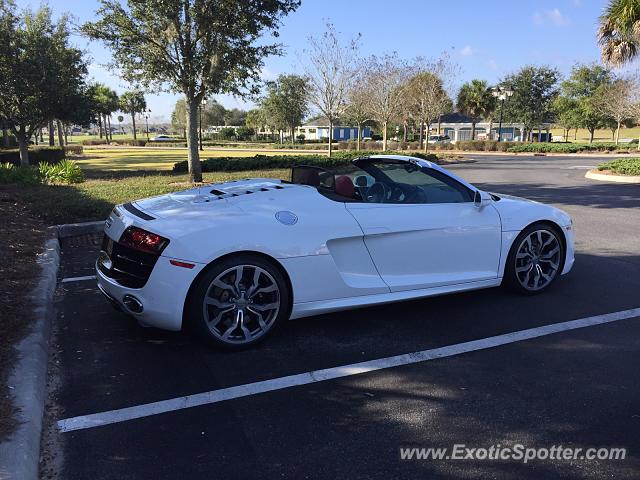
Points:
(618, 101)
(31, 73)
(581, 86)
(194, 47)
(330, 73)
(385, 89)
(120, 120)
(476, 101)
(357, 109)
(565, 111)
(287, 101)
(534, 89)
(619, 32)
(105, 102)
(133, 102)
(256, 119)
(427, 98)
(213, 113)
(234, 117)
(179, 117)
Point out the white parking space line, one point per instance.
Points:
(581, 167)
(78, 279)
(215, 396)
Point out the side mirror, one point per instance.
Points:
(481, 199)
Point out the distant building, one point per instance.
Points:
(458, 127)
(319, 130)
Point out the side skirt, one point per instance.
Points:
(307, 309)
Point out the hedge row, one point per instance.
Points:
(263, 162)
(36, 155)
(567, 147)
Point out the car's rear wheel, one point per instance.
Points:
(239, 301)
(535, 260)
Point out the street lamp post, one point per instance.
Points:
(203, 103)
(146, 121)
(501, 93)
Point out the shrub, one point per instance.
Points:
(73, 149)
(36, 155)
(263, 162)
(622, 166)
(130, 142)
(152, 143)
(227, 133)
(62, 172)
(10, 174)
(557, 147)
(95, 141)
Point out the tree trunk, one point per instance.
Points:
(66, 133)
(404, 133)
(575, 134)
(60, 133)
(52, 141)
(330, 137)
(439, 123)
(421, 134)
(358, 137)
(110, 131)
(591, 132)
(133, 123)
(384, 136)
(195, 169)
(426, 140)
(23, 145)
(5, 136)
(473, 130)
(100, 125)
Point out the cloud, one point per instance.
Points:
(553, 17)
(466, 51)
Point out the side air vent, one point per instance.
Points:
(217, 192)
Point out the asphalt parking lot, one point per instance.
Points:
(577, 388)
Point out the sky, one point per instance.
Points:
(486, 40)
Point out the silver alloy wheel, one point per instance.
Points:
(241, 304)
(538, 260)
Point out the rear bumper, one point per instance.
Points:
(163, 296)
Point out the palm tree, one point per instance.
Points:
(476, 101)
(133, 102)
(619, 32)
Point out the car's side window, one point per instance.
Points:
(398, 183)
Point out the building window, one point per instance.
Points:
(312, 130)
(341, 134)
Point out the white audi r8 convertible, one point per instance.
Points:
(233, 260)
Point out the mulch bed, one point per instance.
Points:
(21, 240)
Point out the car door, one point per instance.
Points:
(443, 240)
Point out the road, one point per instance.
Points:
(576, 388)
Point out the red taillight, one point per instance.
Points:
(140, 239)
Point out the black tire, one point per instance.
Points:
(511, 280)
(210, 330)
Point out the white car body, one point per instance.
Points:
(336, 255)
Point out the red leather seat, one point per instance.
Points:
(344, 187)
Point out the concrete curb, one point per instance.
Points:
(20, 454)
(594, 175)
(74, 229)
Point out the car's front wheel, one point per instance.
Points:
(535, 260)
(239, 301)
